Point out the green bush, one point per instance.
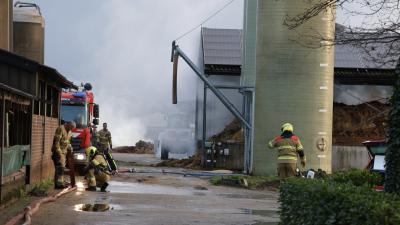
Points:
(323, 202)
(392, 156)
(357, 178)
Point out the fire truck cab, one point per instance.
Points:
(78, 106)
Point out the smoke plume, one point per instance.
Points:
(123, 48)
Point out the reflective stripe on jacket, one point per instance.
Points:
(287, 148)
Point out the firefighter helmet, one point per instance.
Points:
(287, 127)
(91, 151)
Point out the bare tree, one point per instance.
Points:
(378, 33)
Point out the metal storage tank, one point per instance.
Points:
(248, 76)
(29, 31)
(293, 83)
(6, 17)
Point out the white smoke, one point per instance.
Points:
(123, 48)
(357, 94)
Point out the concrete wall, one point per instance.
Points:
(348, 157)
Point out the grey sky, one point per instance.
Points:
(123, 47)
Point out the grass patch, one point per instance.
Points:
(250, 182)
(42, 188)
(16, 193)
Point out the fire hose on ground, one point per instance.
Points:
(34, 207)
(185, 174)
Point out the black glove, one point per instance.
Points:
(55, 157)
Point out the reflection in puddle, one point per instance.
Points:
(80, 186)
(140, 188)
(92, 207)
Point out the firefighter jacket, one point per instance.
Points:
(99, 164)
(97, 171)
(104, 138)
(61, 140)
(288, 149)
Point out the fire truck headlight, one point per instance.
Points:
(80, 156)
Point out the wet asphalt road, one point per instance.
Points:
(161, 199)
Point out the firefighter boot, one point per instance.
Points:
(59, 178)
(91, 188)
(104, 187)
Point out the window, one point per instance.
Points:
(49, 93)
(42, 97)
(55, 102)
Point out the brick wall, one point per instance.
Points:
(41, 164)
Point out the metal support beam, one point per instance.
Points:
(233, 87)
(220, 96)
(204, 137)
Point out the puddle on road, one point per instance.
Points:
(265, 223)
(264, 213)
(93, 207)
(249, 196)
(140, 188)
(199, 194)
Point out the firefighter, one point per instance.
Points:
(94, 136)
(61, 145)
(97, 170)
(104, 139)
(104, 144)
(288, 146)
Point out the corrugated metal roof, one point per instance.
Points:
(33, 66)
(222, 46)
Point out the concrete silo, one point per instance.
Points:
(6, 24)
(293, 82)
(29, 31)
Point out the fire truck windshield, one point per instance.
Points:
(76, 113)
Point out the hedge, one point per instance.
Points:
(357, 178)
(392, 156)
(323, 202)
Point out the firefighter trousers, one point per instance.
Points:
(59, 161)
(286, 170)
(97, 179)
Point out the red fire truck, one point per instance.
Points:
(78, 106)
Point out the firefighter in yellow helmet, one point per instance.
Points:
(289, 147)
(97, 170)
